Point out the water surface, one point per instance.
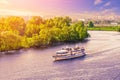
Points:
(101, 63)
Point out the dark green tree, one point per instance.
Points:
(91, 24)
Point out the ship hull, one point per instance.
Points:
(69, 56)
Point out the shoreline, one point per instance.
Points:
(10, 52)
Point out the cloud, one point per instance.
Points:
(107, 4)
(108, 11)
(96, 2)
(4, 2)
(106, 14)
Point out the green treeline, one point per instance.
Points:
(17, 33)
(102, 28)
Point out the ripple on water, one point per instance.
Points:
(101, 63)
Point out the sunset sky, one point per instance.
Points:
(59, 7)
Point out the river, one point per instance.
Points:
(101, 63)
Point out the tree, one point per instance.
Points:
(15, 33)
(9, 41)
(55, 34)
(118, 28)
(35, 20)
(45, 37)
(32, 29)
(16, 24)
(80, 31)
(91, 24)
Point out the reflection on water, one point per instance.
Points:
(101, 63)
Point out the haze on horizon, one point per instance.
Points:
(85, 8)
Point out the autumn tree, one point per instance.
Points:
(16, 33)
(16, 23)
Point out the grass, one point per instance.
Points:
(110, 28)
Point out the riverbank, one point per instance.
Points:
(10, 52)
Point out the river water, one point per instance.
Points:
(101, 63)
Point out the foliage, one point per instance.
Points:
(91, 24)
(9, 40)
(118, 28)
(16, 33)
